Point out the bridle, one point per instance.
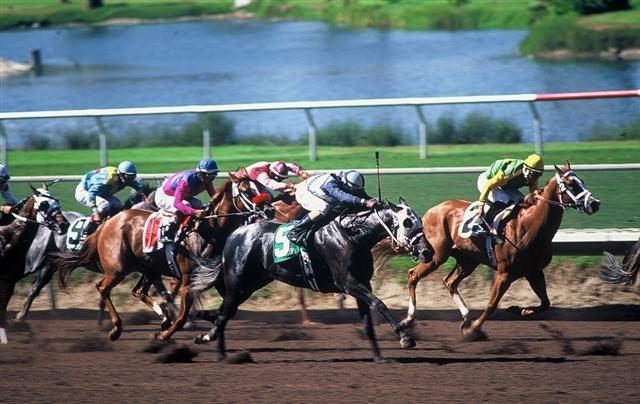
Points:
(410, 222)
(578, 201)
(250, 203)
(46, 206)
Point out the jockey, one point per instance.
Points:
(97, 188)
(177, 194)
(501, 184)
(324, 196)
(271, 176)
(4, 190)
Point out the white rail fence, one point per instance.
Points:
(307, 107)
(566, 241)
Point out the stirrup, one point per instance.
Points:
(479, 230)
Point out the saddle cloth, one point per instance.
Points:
(154, 227)
(284, 250)
(464, 231)
(75, 234)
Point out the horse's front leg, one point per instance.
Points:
(363, 293)
(500, 286)
(36, 287)
(186, 301)
(413, 277)
(141, 292)
(539, 286)
(365, 315)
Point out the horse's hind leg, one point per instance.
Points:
(464, 267)
(104, 287)
(227, 310)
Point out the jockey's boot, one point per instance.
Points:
(169, 233)
(478, 227)
(298, 232)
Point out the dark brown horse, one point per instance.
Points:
(39, 209)
(525, 252)
(117, 245)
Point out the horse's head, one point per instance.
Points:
(240, 196)
(142, 199)
(573, 192)
(46, 210)
(408, 233)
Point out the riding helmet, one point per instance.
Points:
(207, 166)
(534, 163)
(127, 167)
(279, 169)
(353, 179)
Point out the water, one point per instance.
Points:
(246, 61)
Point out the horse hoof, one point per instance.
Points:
(114, 335)
(407, 342)
(407, 322)
(165, 325)
(199, 339)
(474, 335)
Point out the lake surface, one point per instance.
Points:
(247, 61)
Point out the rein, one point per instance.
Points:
(562, 189)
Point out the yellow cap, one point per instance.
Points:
(534, 162)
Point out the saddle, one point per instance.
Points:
(154, 228)
(285, 250)
(494, 236)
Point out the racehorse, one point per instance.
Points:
(117, 245)
(525, 252)
(39, 209)
(624, 273)
(340, 256)
(48, 241)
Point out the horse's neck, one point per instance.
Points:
(543, 218)
(368, 231)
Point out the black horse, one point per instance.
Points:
(340, 256)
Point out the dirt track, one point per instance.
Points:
(565, 355)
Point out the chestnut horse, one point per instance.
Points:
(117, 244)
(39, 209)
(525, 252)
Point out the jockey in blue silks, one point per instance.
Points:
(97, 188)
(324, 196)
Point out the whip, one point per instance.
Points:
(378, 175)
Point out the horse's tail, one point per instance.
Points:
(382, 253)
(66, 261)
(624, 273)
(205, 274)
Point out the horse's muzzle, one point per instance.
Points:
(592, 206)
(61, 224)
(421, 251)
